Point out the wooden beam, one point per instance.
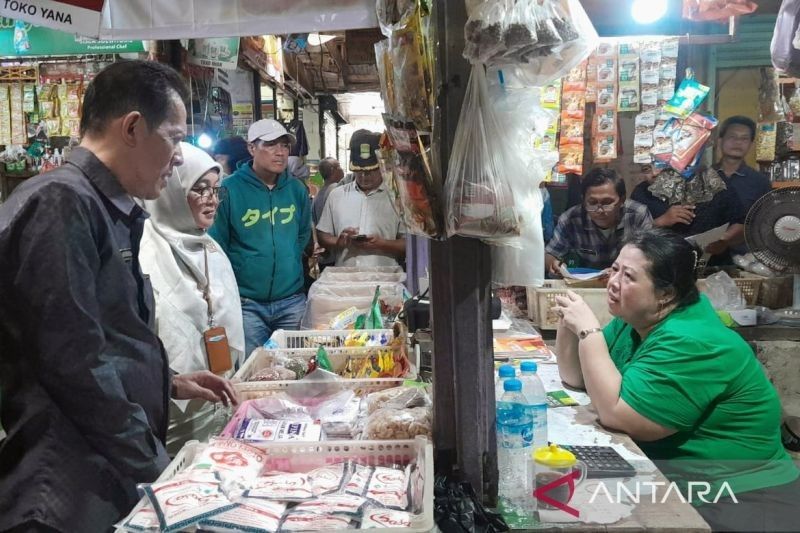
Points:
(460, 270)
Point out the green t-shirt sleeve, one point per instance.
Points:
(612, 332)
(663, 385)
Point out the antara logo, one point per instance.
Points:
(696, 492)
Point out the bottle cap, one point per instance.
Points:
(554, 457)
(506, 371)
(529, 366)
(512, 385)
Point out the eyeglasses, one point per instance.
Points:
(207, 192)
(593, 208)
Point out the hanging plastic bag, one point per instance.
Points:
(484, 31)
(566, 37)
(785, 53)
(716, 10)
(480, 202)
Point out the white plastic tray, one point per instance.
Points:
(313, 338)
(302, 457)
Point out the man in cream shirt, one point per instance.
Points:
(359, 223)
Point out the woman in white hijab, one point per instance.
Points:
(174, 251)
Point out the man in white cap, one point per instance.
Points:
(264, 226)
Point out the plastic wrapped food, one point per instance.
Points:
(281, 486)
(359, 479)
(333, 504)
(397, 398)
(689, 96)
(273, 373)
(186, 499)
(398, 424)
(304, 521)
(379, 518)
(253, 515)
(230, 457)
(483, 31)
(142, 518)
(327, 479)
(388, 487)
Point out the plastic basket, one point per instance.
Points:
(541, 301)
(260, 389)
(314, 338)
(748, 284)
(302, 457)
(378, 269)
(346, 277)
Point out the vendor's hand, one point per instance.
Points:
(372, 243)
(554, 266)
(717, 247)
(203, 385)
(345, 238)
(574, 313)
(677, 214)
(318, 251)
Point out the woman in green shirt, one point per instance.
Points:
(688, 390)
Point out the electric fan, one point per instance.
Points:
(772, 232)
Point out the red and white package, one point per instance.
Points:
(283, 486)
(346, 504)
(250, 514)
(186, 499)
(327, 479)
(389, 487)
(299, 521)
(359, 480)
(231, 458)
(377, 518)
(142, 518)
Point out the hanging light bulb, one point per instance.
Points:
(649, 11)
(318, 39)
(205, 141)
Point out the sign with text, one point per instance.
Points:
(216, 53)
(25, 39)
(72, 16)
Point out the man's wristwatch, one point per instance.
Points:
(586, 332)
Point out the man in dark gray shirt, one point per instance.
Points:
(85, 380)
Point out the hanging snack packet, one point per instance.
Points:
(689, 140)
(388, 487)
(649, 97)
(607, 96)
(379, 518)
(607, 71)
(629, 99)
(281, 486)
(573, 105)
(186, 499)
(571, 159)
(605, 148)
(327, 479)
(249, 514)
(689, 96)
(359, 479)
(231, 457)
(605, 122)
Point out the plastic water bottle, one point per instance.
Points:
(514, 447)
(533, 390)
(504, 373)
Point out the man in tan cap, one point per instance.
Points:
(359, 223)
(264, 225)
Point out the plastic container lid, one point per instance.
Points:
(529, 366)
(554, 457)
(507, 371)
(512, 385)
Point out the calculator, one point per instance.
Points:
(601, 461)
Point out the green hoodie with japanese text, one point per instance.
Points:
(264, 232)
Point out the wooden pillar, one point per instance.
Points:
(460, 271)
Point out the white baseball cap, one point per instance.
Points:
(267, 130)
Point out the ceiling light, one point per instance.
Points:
(318, 39)
(205, 141)
(648, 11)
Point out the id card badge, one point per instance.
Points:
(217, 350)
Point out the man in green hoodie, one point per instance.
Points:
(264, 225)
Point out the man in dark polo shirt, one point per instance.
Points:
(736, 138)
(85, 380)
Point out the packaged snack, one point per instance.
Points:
(265, 430)
(606, 50)
(273, 373)
(573, 105)
(551, 95)
(643, 140)
(28, 98)
(629, 70)
(411, 96)
(607, 71)
(576, 79)
(302, 521)
(397, 398)
(629, 99)
(642, 155)
(689, 140)
(668, 69)
(333, 504)
(142, 518)
(628, 50)
(379, 518)
(651, 73)
(388, 487)
(346, 319)
(186, 499)
(765, 142)
(650, 96)
(606, 122)
(607, 96)
(231, 457)
(689, 96)
(591, 91)
(359, 479)
(571, 132)
(645, 121)
(341, 420)
(605, 147)
(253, 515)
(670, 47)
(398, 424)
(571, 159)
(281, 486)
(650, 52)
(328, 478)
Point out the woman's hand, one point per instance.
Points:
(204, 385)
(574, 313)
